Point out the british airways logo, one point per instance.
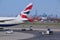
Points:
(26, 11)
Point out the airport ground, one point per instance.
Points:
(39, 25)
(28, 35)
(32, 35)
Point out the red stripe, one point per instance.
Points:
(23, 16)
(28, 8)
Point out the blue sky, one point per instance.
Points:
(14, 7)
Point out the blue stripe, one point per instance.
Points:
(27, 12)
(7, 25)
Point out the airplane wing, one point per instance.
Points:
(6, 19)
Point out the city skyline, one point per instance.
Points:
(14, 7)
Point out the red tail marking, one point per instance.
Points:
(28, 8)
(23, 16)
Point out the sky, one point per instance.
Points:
(14, 7)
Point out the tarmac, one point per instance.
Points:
(35, 34)
(15, 35)
(29, 35)
(39, 36)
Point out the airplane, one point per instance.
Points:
(42, 19)
(21, 18)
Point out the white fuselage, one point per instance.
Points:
(10, 20)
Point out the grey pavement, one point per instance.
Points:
(15, 36)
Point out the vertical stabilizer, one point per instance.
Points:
(25, 12)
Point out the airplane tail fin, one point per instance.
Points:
(23, 15)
